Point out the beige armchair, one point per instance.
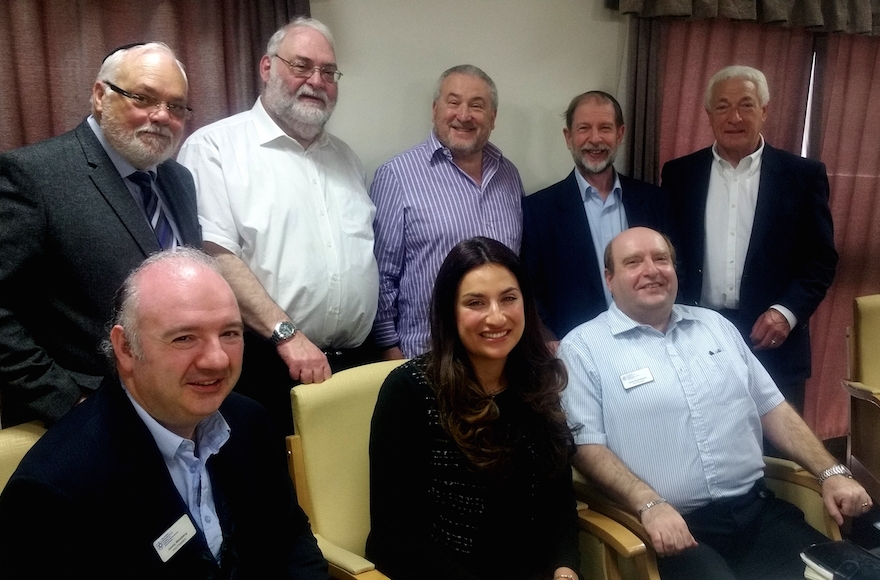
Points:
(329, 463)
(785, 478)
(863, 386)
(15, 442)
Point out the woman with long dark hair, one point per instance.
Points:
(469, 449)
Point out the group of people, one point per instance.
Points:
(542, 332)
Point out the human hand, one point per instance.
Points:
(305, 361)
(667, 529)
(770, 330)
(393, 353)
(844, 497)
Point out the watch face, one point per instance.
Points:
(283, 331)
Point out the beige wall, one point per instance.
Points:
(540, 53)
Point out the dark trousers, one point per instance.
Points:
(752, 537)
(265, 378)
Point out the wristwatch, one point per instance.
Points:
(834, 470)
(284, 330)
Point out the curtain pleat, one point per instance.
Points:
(52, 52)
(851, 16)
(850, 148)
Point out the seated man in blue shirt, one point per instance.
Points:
(669, 406)
(163, 473)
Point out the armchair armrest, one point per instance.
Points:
(862, 391)
(346, 565)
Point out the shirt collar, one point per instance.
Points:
(435, 146)
(588, 190)
(211, 434)
(748, 164)
(122, 166)
(268, 130)
(620, 323)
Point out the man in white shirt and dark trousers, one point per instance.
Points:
(283, 205)
(756, 237)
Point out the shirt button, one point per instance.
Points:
(208, 519)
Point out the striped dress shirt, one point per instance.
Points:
(682, 409)
(425, 205)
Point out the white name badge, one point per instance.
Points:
(636, 378)
(175, 537)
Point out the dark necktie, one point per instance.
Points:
(153, 209)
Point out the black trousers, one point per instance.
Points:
(752, 537)
(265, 378)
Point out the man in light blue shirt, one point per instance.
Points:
(669, 406)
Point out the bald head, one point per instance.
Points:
(177, 338)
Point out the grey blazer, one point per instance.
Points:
(70, 232)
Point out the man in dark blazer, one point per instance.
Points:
(567, 225)
(73, 224)
(163, 473)
(757, 242)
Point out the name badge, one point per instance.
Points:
(175, 537)
(636, 378)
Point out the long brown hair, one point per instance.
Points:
(535, 376)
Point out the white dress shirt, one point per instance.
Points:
(730, 214)
(299, 218)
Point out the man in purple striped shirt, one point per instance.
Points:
(453, 186)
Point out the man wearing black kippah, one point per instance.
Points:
(77, 213)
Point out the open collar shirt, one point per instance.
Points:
(187, 463)
(425, 205)
(300, 219)
(606, 217)
(681, 409)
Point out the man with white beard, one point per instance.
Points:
(77, 213)
(567, 225)
(284, 207)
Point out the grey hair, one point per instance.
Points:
(301, 22)
(127, 298)
(110, 68)
(472, 71)
(739, 72)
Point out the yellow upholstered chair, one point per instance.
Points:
(863, 446)
(785, 478)
(329, 463)
(14, 444)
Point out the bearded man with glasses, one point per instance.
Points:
(284, 207)
(77, 213)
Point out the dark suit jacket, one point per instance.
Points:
(558, 252)
(93, 494)
(791, 257)
(70, 232)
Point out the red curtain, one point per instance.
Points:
(850, 148)
(692, 51)
(52, 51)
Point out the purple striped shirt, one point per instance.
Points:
(425, 205)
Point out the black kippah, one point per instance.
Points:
(123, 47)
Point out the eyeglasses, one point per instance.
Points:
(301, 70)
(147, 102)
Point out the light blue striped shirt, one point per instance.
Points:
(425, 205)
(690, 426)
(607, 218)
(189, 470)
